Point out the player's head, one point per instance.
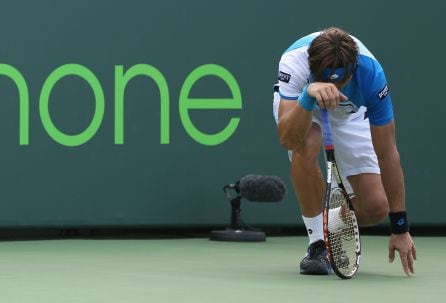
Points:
(333, 56)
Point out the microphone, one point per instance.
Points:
(260, 188)
(253, 188)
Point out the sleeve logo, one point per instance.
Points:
(284, 77)
(384, 92)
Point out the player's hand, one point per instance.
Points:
(404, 245)
(327, 95)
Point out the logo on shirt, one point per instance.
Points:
(333, 77)
(284, 77)
(383, 93)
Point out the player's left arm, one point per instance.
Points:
(384, 143)
(372, 80)
(383, 138)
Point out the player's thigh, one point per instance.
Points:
(370, 196)
(354, 150)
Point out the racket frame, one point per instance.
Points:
(333, 173)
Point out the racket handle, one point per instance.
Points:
(326, 129)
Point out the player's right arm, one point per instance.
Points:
(294, 123)
(298, 98)
(295, 120)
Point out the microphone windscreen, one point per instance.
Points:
(261, 188)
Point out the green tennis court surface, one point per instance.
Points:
(199, 270)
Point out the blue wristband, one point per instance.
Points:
(398, 222)
(306, 101)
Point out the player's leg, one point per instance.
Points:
(356, 159)
(306, 174)
(309, 187)
(370, 201)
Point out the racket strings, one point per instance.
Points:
(342, 233)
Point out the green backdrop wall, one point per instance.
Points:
(147, 182)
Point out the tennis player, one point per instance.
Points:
(334, 70)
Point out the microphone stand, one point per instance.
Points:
(239, 231)
(235, 212)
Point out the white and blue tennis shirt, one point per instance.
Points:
(367, 88)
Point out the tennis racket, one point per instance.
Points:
(341, 231)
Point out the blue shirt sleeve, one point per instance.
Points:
(375, 91)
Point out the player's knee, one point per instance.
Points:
(306, 152)
(304, 156)
(379, 213)
(376, 210)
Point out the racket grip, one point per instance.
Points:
(326, 129)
